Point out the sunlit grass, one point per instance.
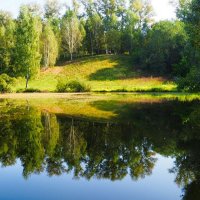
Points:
(103, 74)
(43, 82)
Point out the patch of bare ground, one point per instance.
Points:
(52, 70)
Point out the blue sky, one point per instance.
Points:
(163, 9)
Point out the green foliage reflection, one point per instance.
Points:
(126, 144)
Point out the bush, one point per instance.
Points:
(29, 90)
(5, 83)
(72, 86)
(191, 83)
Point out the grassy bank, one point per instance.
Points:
(108, 73)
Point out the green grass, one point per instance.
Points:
(107, 73)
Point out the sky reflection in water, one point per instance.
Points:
(160, 185)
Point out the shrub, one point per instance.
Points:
(32, 90)
(29, 90)
(6, 83)
(72, 86)
(191, 83)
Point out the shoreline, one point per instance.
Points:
(93, 95)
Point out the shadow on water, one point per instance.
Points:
(111, 149)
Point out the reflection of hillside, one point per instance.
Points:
(123, 142)
(95, 107)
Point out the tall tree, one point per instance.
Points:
(49, 46)
(52, 10)
(143, 11)
(72, 32)
(190, 14)
(7, 41)
(139, 19)
(94, 27)
(27, 52)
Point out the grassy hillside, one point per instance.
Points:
(101, 73)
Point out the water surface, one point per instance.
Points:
(128, 147)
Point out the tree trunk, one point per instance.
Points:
(91, 44)
(71, 56)
(27, 82)
(131, 40)
(27, 79)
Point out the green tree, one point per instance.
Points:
(94, 27)
(72, 32)
(27, 50)
(141, 20)
(7, 41)
(189, 13)
(165, 46)
(114, 40)
(49, 46)
(52, 9)
(52, 14)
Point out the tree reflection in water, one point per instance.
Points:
(112, 149)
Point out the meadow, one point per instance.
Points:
(105, 73)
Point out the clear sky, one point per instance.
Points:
(163, 9)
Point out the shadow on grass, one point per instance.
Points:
(122, 69)
(85, 60)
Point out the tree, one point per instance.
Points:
(182, 9)
(52, 15)
(72, 32)
(109, 12)
(7, 41)
(27, 52)
(143, 12)
(49, 46)
(139, 19)
(189, 13)
(94, 27)
(52, 9)
(114, 41)
(164, 46)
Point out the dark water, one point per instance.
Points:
(100, 149)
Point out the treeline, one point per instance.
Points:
(39, 38)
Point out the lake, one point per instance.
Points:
(100, 146)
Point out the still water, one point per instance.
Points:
(100, 147)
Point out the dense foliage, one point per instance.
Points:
(5, 83)
(39, 38)
(72, 86)
(164, 48)
(189, 13)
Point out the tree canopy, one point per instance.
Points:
(39, 39)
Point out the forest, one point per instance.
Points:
(57, 34)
